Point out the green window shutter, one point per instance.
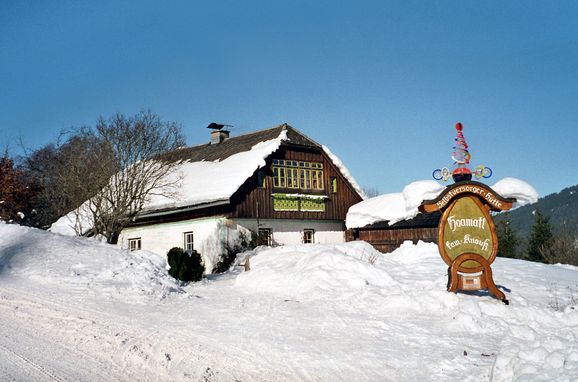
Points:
(284, 203)
(313, 204)
(333, 184)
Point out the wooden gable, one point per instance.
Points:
(257, 197)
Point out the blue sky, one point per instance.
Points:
(380, 83)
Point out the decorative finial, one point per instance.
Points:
(461, 157)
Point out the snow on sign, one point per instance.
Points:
(467, 238)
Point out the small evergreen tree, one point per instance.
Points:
(185, 266)
(507, 239)
(541, 238)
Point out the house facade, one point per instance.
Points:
(277, 183)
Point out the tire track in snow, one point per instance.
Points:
(23, 363)
(38, 332)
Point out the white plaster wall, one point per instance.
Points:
(210, 234)
(289, 232)
(208, 237)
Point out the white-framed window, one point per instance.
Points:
(134, 244)
(308, 236)
(188, 241)
(265, 237)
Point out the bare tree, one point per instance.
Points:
(69, 172)
(371, 191)
(138, 145)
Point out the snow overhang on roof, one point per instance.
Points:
(397, 207)
(207, 181)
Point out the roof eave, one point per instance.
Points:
(176, 210)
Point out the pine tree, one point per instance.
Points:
(507, 239)
(541, 238)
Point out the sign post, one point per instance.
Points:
(467, 238)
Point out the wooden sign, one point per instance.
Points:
(489, 196)
(467, 238)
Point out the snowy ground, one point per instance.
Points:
(74, 310)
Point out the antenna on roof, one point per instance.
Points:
(217, 126)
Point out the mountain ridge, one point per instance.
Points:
(561, 208)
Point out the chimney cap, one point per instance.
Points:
(217, 126)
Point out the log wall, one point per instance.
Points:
(387, 240)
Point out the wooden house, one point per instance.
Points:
(386, 238)
(386, 221)
(277, 182)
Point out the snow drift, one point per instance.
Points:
(47, 258)
(309, 312)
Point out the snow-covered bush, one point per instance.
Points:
(185, 266)
(245, 242)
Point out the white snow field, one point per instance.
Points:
(72, 309)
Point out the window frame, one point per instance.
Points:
(294, 174)
(308, 236)
(333, 184)
(186, 242)
(137, 241)
(268, 234)
(261, 179)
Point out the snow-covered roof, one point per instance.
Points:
(212, 173)
(392, 207)
(204, 180)
(396, 207)
(344, 171)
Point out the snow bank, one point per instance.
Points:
(315, 271)
(73, 262)
(533, 338)
(516, 188)
(303, 312)
(393, 207)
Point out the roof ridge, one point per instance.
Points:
(230, 146)
(297, 131)
(259, 131)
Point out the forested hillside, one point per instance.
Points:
(561, 208)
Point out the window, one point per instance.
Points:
(297, 174)
(134, 244)
(188, 242)
(333, 180)
(265, 237)
(308, 236)
(261, 178)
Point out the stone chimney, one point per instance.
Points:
(218, 135)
